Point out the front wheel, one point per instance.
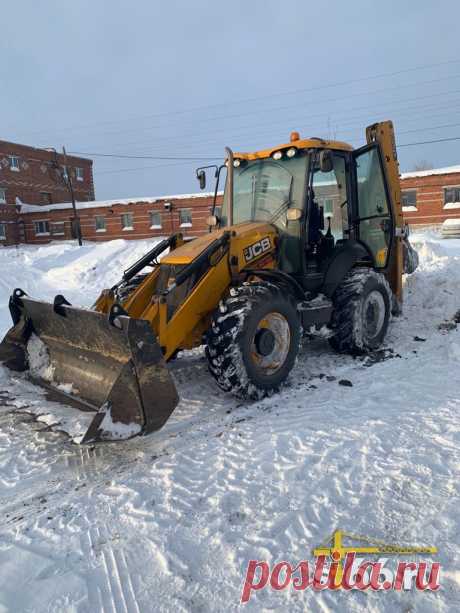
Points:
(362, 306)
(253, 340)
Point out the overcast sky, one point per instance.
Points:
(184, 79)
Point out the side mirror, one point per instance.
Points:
(201, 176)
(325, 161)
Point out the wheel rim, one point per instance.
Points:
(373, 314)
(278, 326)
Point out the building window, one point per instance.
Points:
(127, 221)
(100, 223)
(2, 195)
(452, 197)
(409, 198)
(185, 218)
(79, 173)
(42, 228)
(155, 220)
(64, 171)
(14, 163)
(57, 228)
(2, 231)
(47, 198)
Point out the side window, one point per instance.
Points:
(330, 193)
(375, 223)
(371, 187)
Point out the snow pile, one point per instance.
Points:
(451, 228)
(40, 365)
(116, 429)
(39, 359)
(80, 273)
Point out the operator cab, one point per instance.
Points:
(323, 197)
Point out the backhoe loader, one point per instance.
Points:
(310, 234)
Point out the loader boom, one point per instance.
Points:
(204, 269)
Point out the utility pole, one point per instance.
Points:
(68, 180)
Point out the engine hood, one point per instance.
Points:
(189, 251)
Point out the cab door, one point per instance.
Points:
(373, 218)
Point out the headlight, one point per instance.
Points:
(277, 155)
(291, 152)
(236, 163)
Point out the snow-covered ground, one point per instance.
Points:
(168, 522)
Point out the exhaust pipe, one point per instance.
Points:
(229, 190)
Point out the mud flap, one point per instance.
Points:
(113, 363)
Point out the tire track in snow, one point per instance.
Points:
(110, 588)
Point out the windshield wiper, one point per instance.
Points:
(284, 206)
(280, 211)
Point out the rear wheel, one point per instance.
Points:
(253, 340)
(362, 306)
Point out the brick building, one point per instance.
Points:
(110, 219)
(431, 196)
(32, 175)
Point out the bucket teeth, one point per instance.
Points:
(114, 364)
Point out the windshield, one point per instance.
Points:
(263, 190)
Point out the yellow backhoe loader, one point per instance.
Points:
(310, 234)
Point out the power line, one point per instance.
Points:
(357, 120)
(143, 157)
(193, 132)
(135, 169)
(264, 97)
(191, 138)
(419, 129)
(258, 111)
(138, 168)
(214, 157)
(429, 142)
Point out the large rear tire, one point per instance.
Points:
(253, 340)
(362, 307)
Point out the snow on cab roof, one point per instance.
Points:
(94, 204)
(433, 171)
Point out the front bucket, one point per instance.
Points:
(111, 364)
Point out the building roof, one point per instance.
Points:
(37, 208)
(447, 170)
